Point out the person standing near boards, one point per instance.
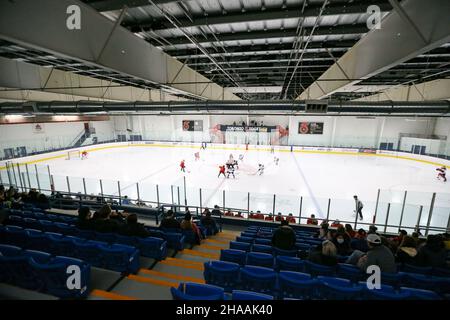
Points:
(359, 206)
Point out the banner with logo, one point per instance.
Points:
(192, 125)
(310, 128)
(38, 128)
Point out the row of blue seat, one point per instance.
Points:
(298, 285)
(196, 291)
(351, 272)
(268, 248)
(149, 247)
(40, 271)
(117, 257)
(41, 214)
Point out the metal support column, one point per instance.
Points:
(14, 173)
(248, 205)
(387, 217)
(171, 192)
(419, 218)
(201, 206)
(274, 200)
(20, 177)
(157, 195)
(28, 175)
(68, 184)
(433, 199)
(84, 186)
(37, 178)
(185, 197)
(120, 195)
(101, 190)
(178, 192)
(138, 192)
(403, 210)
(300, 210)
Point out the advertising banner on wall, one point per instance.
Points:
(38, 128)
(310, 128)
(192, 125)
(247, 128)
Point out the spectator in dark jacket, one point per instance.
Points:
(208, 222)
(284, 237)
(378, 255)
(433, 253)
(169, 222)
(406, 252)
(84, 219)
(360, 242)
(133, 228)
(342, 242)
(104, 223)
(216, 211)
(325, 254)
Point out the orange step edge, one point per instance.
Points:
(172, 276)
(152, 281)
(201, 254)
(110, 295)
(181, 265)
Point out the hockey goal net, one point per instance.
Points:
(73, 155)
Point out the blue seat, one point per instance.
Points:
(266, 242)
(413, 269)
(105, 237)
(351, 272)
(262, 248)
(120, 257)
(339, 289)
(9, 250)
(244, 239)
(392, 279)
(297, 285)
(64, 245)
(247, 295)
(385, 293)
(260, 259)
(287, 263)
(85, 234)
(420, 294)
(281, 252)
(39, 215)
(16, 221)
(420, 281)
(151, 247)
(89, 251)
(16, 236)
(259, 279)
(38, 256)
(222, 274)
(16, 270)
(129, 241)
(244, 246)
(232, 255)
(318, 270)
(248, 234)
(65, 228)
(47, 226)
(195, 291)
(55, 276)
(174, 240)
(441, 272)
(37, 240)
(27, 213)
(30, 223)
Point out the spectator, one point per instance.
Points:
(359, 242)
(407, 251)
(350, 231)
(284, 237)
(372, 229)
(187, 224)
(342, 243)
(229, 213)
(336, 224)
(433, 253)
(291, 219)
(209, 223)
(312, 220)
(126, 201)
(378, 254)
(398, 239)
(323, 232)
(216, 211)
(279, 217)
(133, 228)
(104, 223)
(206, 211)
(84, 219)
(239, 215)
(324, 254)
(169, 222)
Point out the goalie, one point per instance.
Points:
(84, 155)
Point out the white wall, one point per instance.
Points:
(442, 128)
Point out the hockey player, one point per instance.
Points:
(183, 166)
(275, 159)
(231, 171)
(260, 169)
(359, 206)
(197, 156)
(272, 149)
(241, 157)
(84, 155)
(221, 171)
(441, 173)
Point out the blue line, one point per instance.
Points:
(311, 194)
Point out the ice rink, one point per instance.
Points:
(309, 179)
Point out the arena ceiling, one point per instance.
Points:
(275, 48)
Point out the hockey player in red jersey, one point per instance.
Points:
(221, 171)
(84, 155)
(183, 166)
(441, 173)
